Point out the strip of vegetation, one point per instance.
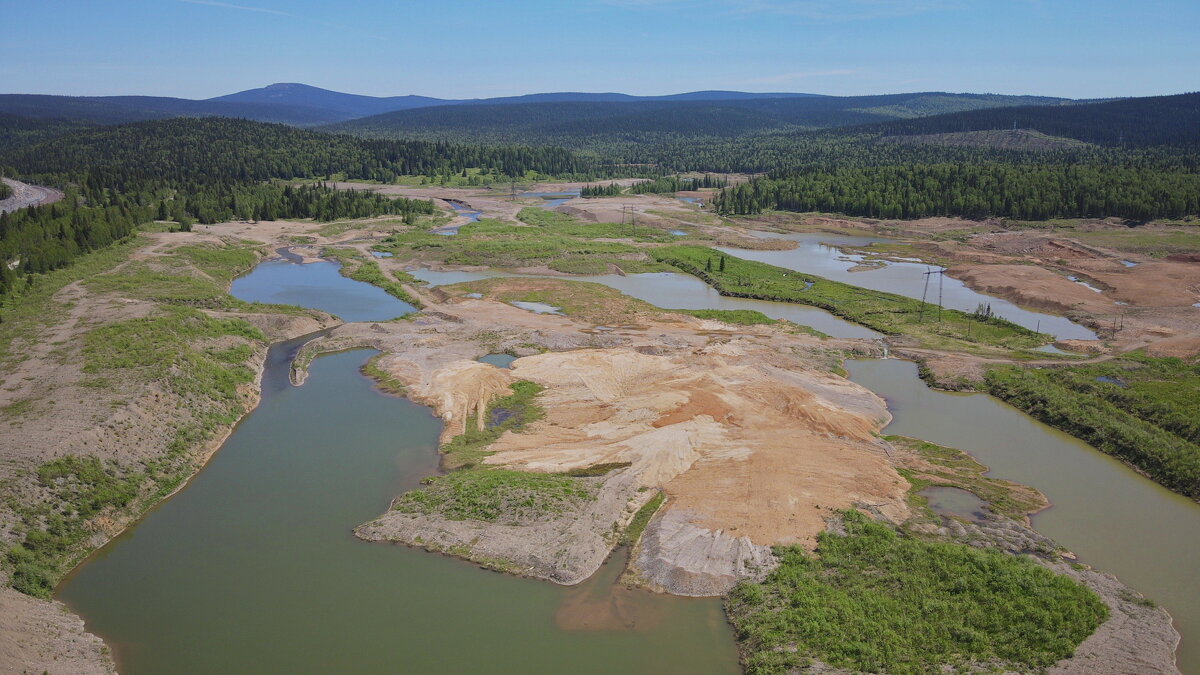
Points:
(382, 378)
(370, 272)
(876, 600)
(885, 312)
(562, 245)
(739, 317)
(494, 495)
(1140, 409)
(641, 519)
(570, 226)
(597, 470)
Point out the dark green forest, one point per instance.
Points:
(1024, 191)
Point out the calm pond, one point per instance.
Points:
(818, 254)
(253, 566)
(318, 285)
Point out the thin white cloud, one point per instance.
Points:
(790, 77)
(813, 10)
(244, 8)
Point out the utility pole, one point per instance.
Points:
(921, 314)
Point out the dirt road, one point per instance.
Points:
(24, 194)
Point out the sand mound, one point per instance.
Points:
(749, 454)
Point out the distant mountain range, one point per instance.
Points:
(304, 105)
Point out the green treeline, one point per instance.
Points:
(1029, 192)
(5, 191)
(877, 600)
(610, 190)
(42, 238)
(672, 184)
(1143, 410)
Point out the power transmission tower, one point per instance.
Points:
(941, 276)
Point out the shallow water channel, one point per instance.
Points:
(818, 254)
(671, 290)
(253, 567)
(1112, 517)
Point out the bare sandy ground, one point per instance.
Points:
(749, 434)
(37, 636)
(24, 194)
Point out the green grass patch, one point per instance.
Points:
(558, 241)
(176, 349)
(383, 380)
(887, 313)
(23, 314)
(738, 317)
(519, 408)
(597, 470)
(1141, 409)
(496, 495)
(370, 272)
(876, 600)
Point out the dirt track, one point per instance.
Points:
(25, 194)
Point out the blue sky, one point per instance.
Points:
(473, 48)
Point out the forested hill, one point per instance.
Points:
(595, 124)
(123, 109)
(187, 149)
(1135, 122)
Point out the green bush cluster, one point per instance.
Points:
(876, 600)
(495, 494)
(80, 488)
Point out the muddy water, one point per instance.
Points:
(815, 255)
(952, 501)
(253, 567)
(670, 290)
(1109, 515)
